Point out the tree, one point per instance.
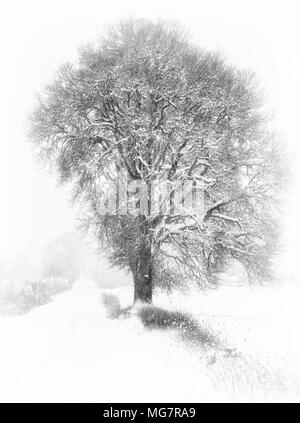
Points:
(148, 102)
(62, 258)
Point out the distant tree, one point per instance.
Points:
(62, 258)
(148, 102)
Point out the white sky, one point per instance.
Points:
(37, 36)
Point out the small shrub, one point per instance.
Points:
(17, 298)
(31, 295)
(111, 304)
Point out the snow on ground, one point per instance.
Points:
(263, 325)
(69, 351)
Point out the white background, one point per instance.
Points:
(37, 36)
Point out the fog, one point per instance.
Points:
(36, 37)
(65, 315)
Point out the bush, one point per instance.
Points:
(16, 298)
(19, 298)
(111, 304)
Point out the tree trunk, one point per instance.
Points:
(143, 275)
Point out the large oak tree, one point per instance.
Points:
(148, 102)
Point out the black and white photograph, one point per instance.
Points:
(150, 204)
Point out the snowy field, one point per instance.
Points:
(245, 348)
(69, 350)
